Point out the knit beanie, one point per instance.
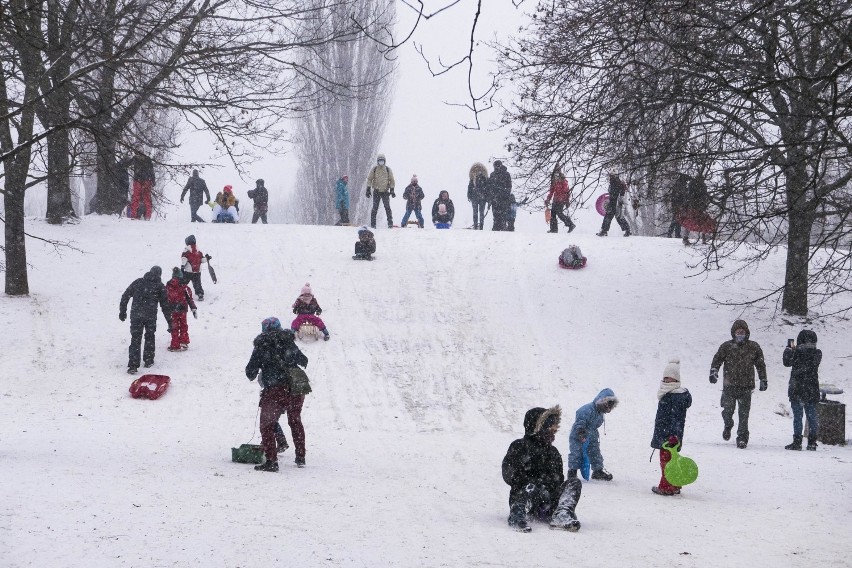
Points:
(177, 273)
(414, 178)
(673, 369)
(270, 324)
(156, 271)
(306, 289)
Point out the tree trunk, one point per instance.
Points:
(59, 206)
(17, 283)
(111, 195)
(800, 218)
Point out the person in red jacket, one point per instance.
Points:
(557, 199)
(180, 300)
(192, 259)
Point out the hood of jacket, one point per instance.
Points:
(740, 324)
(476, 169)
(806, 336)
(274, 338)
(604, 396)
(444, 196)
(154, 275)
(538, 419)
(381, 157)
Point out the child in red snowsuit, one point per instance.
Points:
(307, 309)
(192, 259)
(179, 298)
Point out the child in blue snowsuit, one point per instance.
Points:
(587, 420)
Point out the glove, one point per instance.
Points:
(392, 193)
(122, 316)
(581, 435)
(319, 311)
(169, 329)
(195, 314)
(764, 385)
(714, 376)
(295, 310)
(368, 192)
(208, 257)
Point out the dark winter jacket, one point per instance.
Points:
(671, 417)
(367, 241)
(300, 306)
(477, 187)
(499, 186)
(804, 375)
(413, 196)
(533, 459)
(274, 353)
(197, 188)
(143, 168)
(260, 195)
(179, 296)
(147, 292)
(450, 211)
(740, 359)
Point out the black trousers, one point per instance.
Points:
(195, 278)
(610, 213)
(557, 212)
(384, 197)
(259, 215)
(541, 503)
(193, 209)
(138, 328)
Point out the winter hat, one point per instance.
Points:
(345, 178)
(306, 289)
(673, 369)
(363, 229)
(156, 271)
(190, 240)
(177, 273)
(414, 178)
(806, 336)
(269, 324)
(228, 189)
(259, 183)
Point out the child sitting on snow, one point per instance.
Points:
(572, 257)
(227, 207)
(307, 309)
(365, 247)
(179, 298)
(587, 420)
(670, 421)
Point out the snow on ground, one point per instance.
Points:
(438, 348)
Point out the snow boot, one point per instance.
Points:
(657, 491)
(796, 445)
(300, 462)
(812, 445)
(149, 363)
(271, 466)
(518, 518)
(627, 233)
(564, 517)
(170, 348)
(281, 442)
(601, 234)
(742, 444)
(686, 241)
(602, 475)
(726, 433)
(132, 370)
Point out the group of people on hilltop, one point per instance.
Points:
(484, 191)
(226, 206)
(532, 466)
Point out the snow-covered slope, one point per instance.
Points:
(438, 348)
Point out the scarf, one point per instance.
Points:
(666, 388)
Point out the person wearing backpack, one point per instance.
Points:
(274, 354)
(180, 300)
(477, 193)
(443, 210)
(414, 197)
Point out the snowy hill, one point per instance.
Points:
(438, 348)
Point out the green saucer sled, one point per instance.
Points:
(247, 453)
(680, 470)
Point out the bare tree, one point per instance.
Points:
(756, 95)
(341, 136)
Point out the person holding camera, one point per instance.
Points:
(803, 391)
(741, 357)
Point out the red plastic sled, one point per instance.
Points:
(149, 386)
(563, 265)
(697, 221)
(601, 203)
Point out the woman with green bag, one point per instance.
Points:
(670, 422)
(276, 356)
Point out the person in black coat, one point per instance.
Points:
(670, 421)
(617, 191)
(500, 195)
(533, 470)
(443, 210)
(198, 191)
(274, 354)
(147, 292)
(260, 196)
(803, 391)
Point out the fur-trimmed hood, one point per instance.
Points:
(476, 169)
(539, 419)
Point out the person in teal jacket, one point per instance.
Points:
(341, 200)
(587, 420)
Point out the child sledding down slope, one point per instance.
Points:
(365, 246)
(307, 310)
(533, 470)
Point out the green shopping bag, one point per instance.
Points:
(680, 470)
